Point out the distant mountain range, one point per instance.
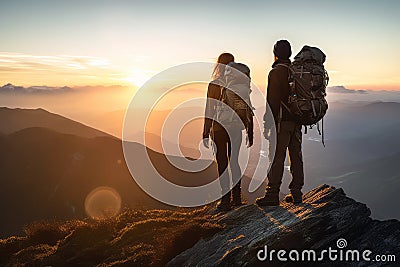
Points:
(13, 120)
(49, 164)
(47, 175)
(14, 89)
(362, 147)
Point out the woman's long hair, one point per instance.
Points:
(223, 59)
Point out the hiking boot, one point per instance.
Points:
(294, 197)
(270, 199)
(237, 203)
(224, 206)
(237, 199)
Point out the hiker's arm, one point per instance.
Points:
(213, 92)
(273, 98)
(273, 101)
(250, 127)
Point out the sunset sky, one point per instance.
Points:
(77, 43)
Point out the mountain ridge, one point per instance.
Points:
(46, 174)
(14, 119)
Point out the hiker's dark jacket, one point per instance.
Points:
(289, 136)
(214, 92)
(278, 90)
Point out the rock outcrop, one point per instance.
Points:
(327, 218)
(246, 236)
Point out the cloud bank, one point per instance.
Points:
(344, 90)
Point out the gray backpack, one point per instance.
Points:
(236, 98)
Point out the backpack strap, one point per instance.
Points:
(284, 65)
(282, 103)
(222, 93)
(280, 114)
(288, 67)
(322, 130)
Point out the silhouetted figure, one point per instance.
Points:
(228, 147)
(289, 135)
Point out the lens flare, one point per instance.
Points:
(102, 202)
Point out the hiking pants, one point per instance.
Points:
(288, 138)
(228, 154)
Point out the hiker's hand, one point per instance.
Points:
(206, 142)
(268, 130)
(267, 133)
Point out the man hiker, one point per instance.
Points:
(289, 135)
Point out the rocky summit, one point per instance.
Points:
(328, 229)
(327, 219)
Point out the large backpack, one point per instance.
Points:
(307, 82)
(236, 97)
